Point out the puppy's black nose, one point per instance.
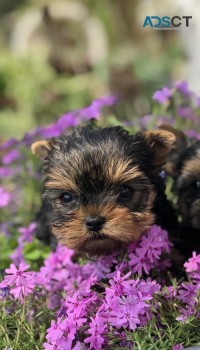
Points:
(94, 223)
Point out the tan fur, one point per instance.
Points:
(61, 181)
(120, 171)
(179, 144)
(122, 227)
(40, 148)
(161, 142)
(192, 167)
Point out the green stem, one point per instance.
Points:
(139, 347)
(21, 322)
(5, 333)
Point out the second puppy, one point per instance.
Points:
(183, 164)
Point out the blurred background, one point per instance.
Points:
(59, 55)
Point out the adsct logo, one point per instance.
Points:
(166, 23)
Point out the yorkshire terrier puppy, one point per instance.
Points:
(183, 164)
(103, 186)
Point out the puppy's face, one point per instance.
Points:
(100, 185)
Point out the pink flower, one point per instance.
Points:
(129, 312)
(149, 250)
(62, 344)
(17, 256)
(97, 329)
(183, 88)
(119, 284)
(27, 232)
(94, 110)
(67, 120)
(10, 157)
(186, 112)
(188, 293)
(17, 276)
(138, 261)
(61, 334)
(177, 347)
(77, 304)
(185, 313)
(9, 143)
(193, 133)
(55, 332)
(162, 96)
(193, 263)
(22, 282)
(52, 130)
(5, 197)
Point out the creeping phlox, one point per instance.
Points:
(104, 299)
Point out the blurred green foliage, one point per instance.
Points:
(33, 91)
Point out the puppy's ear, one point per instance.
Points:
(172, 162)
(160, 143)
(40, 148)
(181, 140)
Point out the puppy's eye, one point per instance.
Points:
(67, 197)
(125, 192)
(196, 185)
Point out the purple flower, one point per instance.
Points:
(61, 333)
(94, 110)
(72, 119)
(30, 136)
(62, 344)
(163, 119)
(193, 133)
(27, 233)
(144, 121)
(193, 263)
(177, 347)
(17, 256)
(22, 282)
(4, 292)
(187, 113)
(149, 250)
(6, 172)
(162, 96)
(68, 120)
(17, 276)
(163, 175)
(119, 284)
(128, 313)
(106, 100)
(138, 261)
(9, 143)
(4, 227)
(56, 331)
(77, 305)
(185, 313)
(188, 292)
(50, 131)
(10, 157)
(5, 197)
(97, 329)
(183, 88)
(197, 101)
